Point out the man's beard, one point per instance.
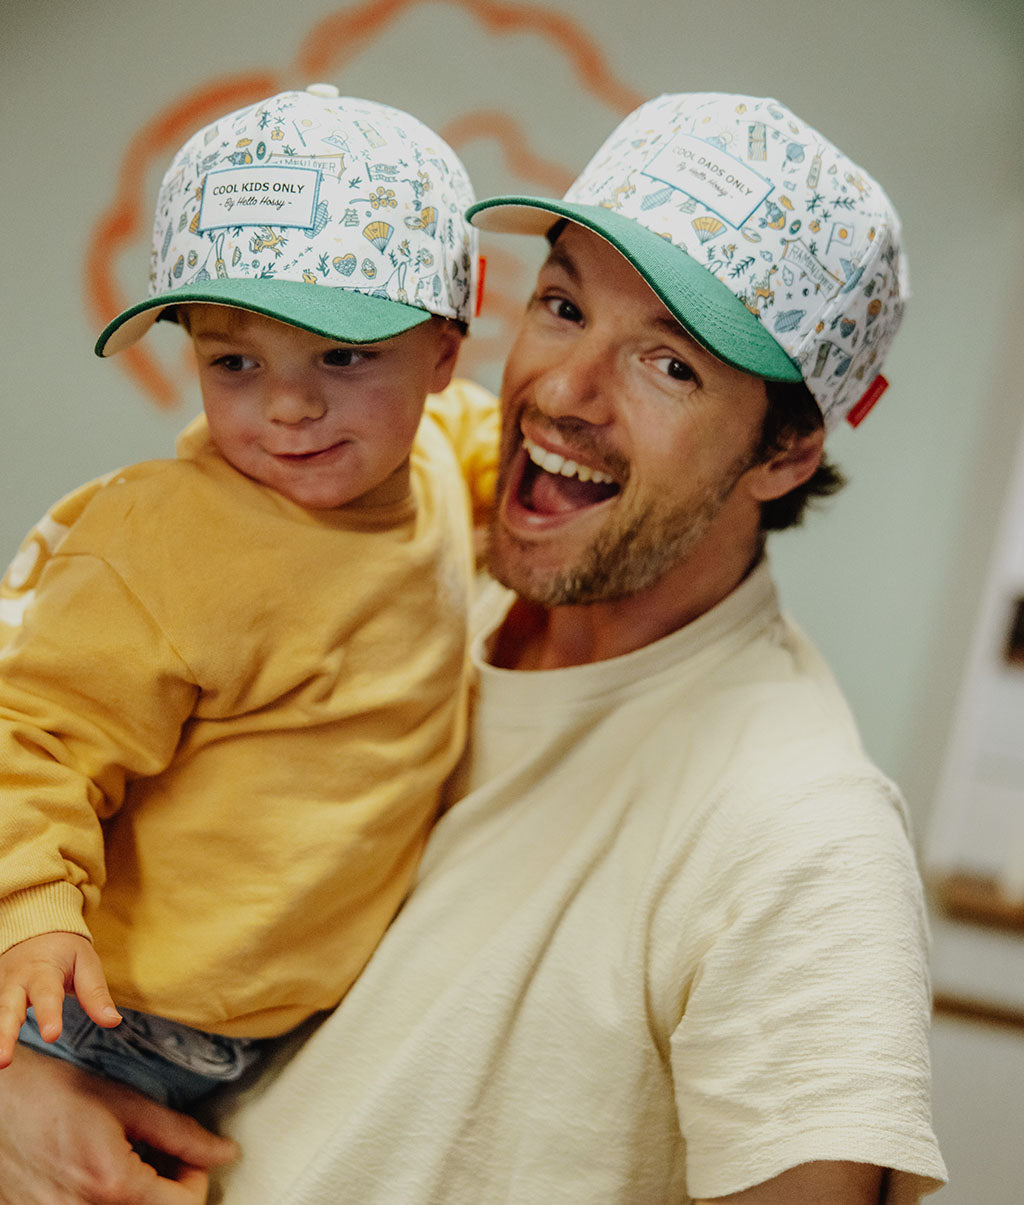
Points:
(630, 554)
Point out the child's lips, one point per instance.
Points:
(304, 457)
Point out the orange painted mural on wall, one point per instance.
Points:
(329, 46)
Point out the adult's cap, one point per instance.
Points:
(776, 251)
(342, 216)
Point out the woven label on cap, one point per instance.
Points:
(259, 196)
(711, 176)
(871, 395)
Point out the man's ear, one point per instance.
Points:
(788, 468)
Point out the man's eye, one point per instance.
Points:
(562, 309)
(678, 370)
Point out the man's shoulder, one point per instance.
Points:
(460, 402)
(766, 739)
(773, 786)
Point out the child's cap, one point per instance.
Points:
(776, 251)
(338, 215)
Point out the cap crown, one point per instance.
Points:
(805, 238)
(314, 188)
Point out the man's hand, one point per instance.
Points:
(68, 1138)
(40, 971)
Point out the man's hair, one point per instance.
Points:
(792, 413)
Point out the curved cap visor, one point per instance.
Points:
(334, 313)
(704, 306)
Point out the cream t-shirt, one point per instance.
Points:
(669, 944)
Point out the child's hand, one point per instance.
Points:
(40, 971)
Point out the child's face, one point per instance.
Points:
(323, 423)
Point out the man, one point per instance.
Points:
(669, 944)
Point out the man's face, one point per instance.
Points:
(624, 442)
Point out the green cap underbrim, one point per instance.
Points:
(345, 315)
(700, 302)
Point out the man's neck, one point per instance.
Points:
(533, 637)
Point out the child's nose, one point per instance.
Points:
(291, 402)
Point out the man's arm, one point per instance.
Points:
(67, 1136)
(819, 1183)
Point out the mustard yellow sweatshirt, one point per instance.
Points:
(224, 721)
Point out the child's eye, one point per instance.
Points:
(234, 363)
(344, 357)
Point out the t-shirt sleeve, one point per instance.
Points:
(802, 1031)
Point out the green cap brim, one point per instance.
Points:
(336, 313)
(701, 303)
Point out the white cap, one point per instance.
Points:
(343, 216)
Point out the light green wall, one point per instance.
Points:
(928, 94)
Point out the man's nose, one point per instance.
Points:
(578, 382)
(290, 402)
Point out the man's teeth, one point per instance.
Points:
(551, 462)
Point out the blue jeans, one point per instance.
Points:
(167, 1061)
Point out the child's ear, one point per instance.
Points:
(449, 340)
(788, 468)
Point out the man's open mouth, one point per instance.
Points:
(552, 484)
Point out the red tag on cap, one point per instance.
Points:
(481, 272)
(871, 395)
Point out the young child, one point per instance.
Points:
(232, 684)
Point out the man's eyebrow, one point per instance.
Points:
(672, 326)
(558, 257)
